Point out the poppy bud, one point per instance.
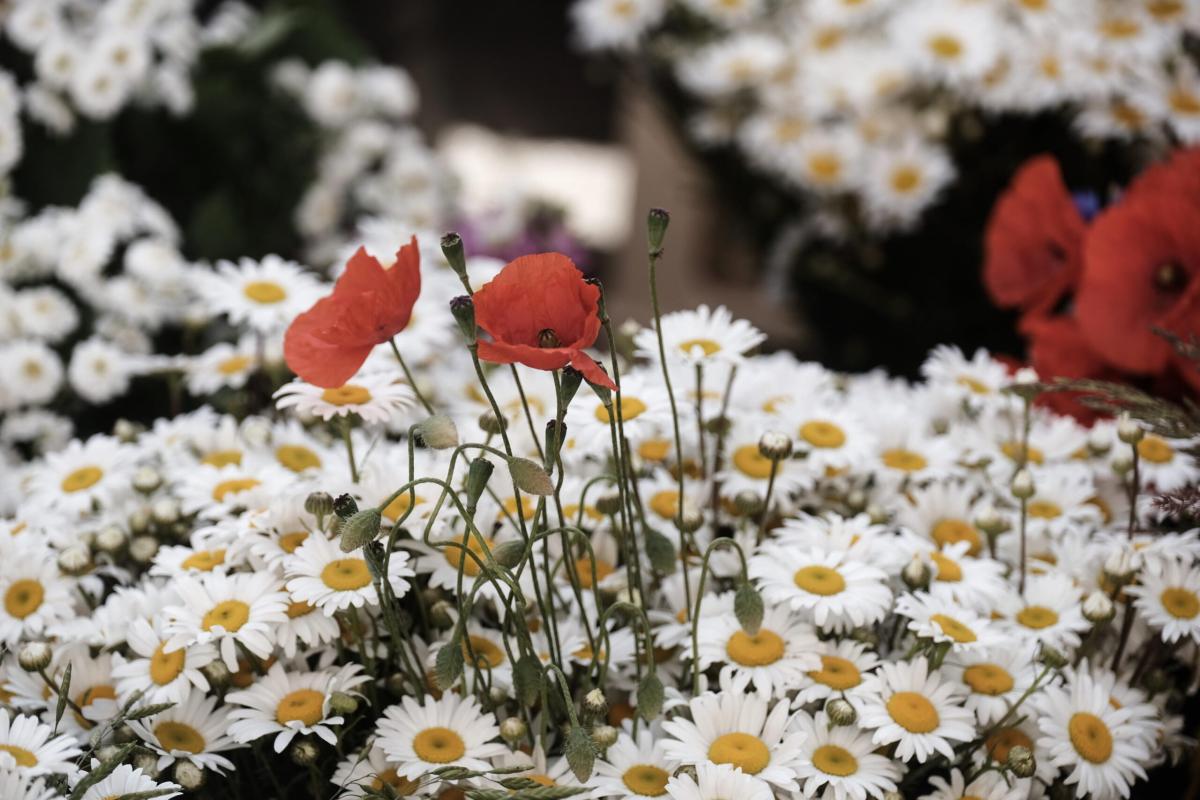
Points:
(748, 607)
(478, 474)
(656, 227)
(463, 309)
(580, 752)
(360, 529)
(530, 477)
(528, 679)
(650, 694)
(490, 423)
(448, 664)
(609, 504)
(438, 432)
(452, 249)
(660, 551)
(509, 554)
(554, 441)
(571, 381)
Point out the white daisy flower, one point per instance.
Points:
(917, 710)
(701, 337)
(844, 665)
(717, 782)
(35, 595)
(994, 679)
(1050, 612)
(989, 786)
(227, 610)
(128, 780)
(835, 591)
(615, 23)
(1170, 601)
(445, 732)
(162, 677)
(841, 761)
(83, 475)
(265, 295)
(635, 768)
(940, 620)
(16, 785)
(774, 659)
(30, 371)
(1163, 466)
(223, 366)
(320, 574)
(374, 398)
(193, 730)
(288, 704)
(29, 747)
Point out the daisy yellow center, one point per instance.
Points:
(228, 614)
(1090, 737)
(751, 462)
(746, 752)
(223, 458)
(904, 460)
(952, 530)
(179, 736)
(763, 648)
(165, 667)
(23, 598)
(346, 574)
(1037, 617)
(974, 384)
(89, 696)
(233, 365)
(488, 654)
(654, 449)
(834, 760)
(822, 433)
(989, 679)
(82, 478)
(945, 46)
(1002, 741)
(1164, 10)
(297, 457)
(204, 560)
(23, 757)
(400, 505)
(954, 629)
(456, 558)
(948, 569)
(820, 580)
(646, 780)
(665, 503)
(1180, 603)
(306, 706)
(905, 179)
(1043, 509)
(1183, 101)
(824, 167)
(708, 346)
(631, 408)
(1014, 450)
(1120, 28)
(1155, 450)
(837, 673)
(290, 541)
(233, 486)
(913, 712)
(300, 609)
(438, 745)
(591, 512)
(583, 568)
(349, 395)
(265, 292)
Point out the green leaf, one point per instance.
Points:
(448, 665)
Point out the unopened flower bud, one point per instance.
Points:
(147, 762)
(110, 540)
(1025, 376)
(342, 704)
(498, 695)
(1099, 442)
(1021, 761)
(692, 518)
(916, 573)
(1052, 657)
(605, 736)
(856, 500)
(512, 730)
(595, 703)
(1122, 564)
(360, 529)
(1122, 463)
(146, 480)
(490, 423)
(656, 227)
(216, 673)
(877, 514)
(438, 432)
(189, 776)
(1097, 607)
(609, 504)
(304, 752)
(1129, 431)
(748, 503)
(990, 521)
(840, 712)
(1022, 485)
(165, 510)
(139, 520)
(441, 614)
(127, 431)
(463, 309)
(107, 752)
(1157, 680)
(34, 656)
(143, 549)
(452, 249)
(74, 561)
(775, 445)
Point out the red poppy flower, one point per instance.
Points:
(1141, 271)
(540, 312)
(1034, 240)
(369, 305)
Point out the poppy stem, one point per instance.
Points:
(408, 376)
(1134, 487)
(345, 426)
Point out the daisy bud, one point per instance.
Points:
(452, 249)
(165, 511)
(343, 704)
(1122, 564)
(530, 477)
(775, 445)
(463, 309)
(1025, 376)
(1122, 463)
(34, 656)
(595, 703)
(718, 426)
(748, 503)
(656, 227)
(1052, 657)
(604, 736)
(108, 752)
(304, 752)
(990, 521)
(189, 776)
(142, 549)
(146, 480)
(74, 561)
(498, 696)
(856, 500)
(1021, 761)
(1022, 485)
(139, 520)
(916, 573)
(216, 673)
(840, 711)
(748, 607)
(1129, 431)
(512, 730)
(1097, 608)
(360, 529)
(319, 504)
(438, 432)
(1157, 680)
(126, 430)
(110, 540)
(1098, 442)
(441, 614)
(691, 519)
(877, 514)
(147, 763)
(490, 423)
(580, 751)
(609, 504)
(650, 694)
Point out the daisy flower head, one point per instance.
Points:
(973, 379)
(739, 728)
(949, 42)
(839, 762)
(1051, 612)
(320, 574)
(831, 439)
(943, 512)
(748, 470)
(843, 668)
(939, 620)
(834, 591)
(917, 710)
(286, 704)
(264, 295)
(162, 677)
(994, 679)
(636, 768)
(1164, 464)
(32, 373)
(35, 595)
(1170, 601)
(604, 24)
(193, 730)
(645, 412)
(375, 398)
(363, 773)
(128, 780)
(700, 337)
(227, 611)
(440, 732)
(774, 659)
(988, 786)
(83, 475)
(223, 366)
(29, 747)
(717, 782)
(16, 785)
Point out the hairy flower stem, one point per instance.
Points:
(700, 418)
(695, 622)
(1126, 627)
(1024, 520)
(349, 442)
(766, 512)
(1134, 489)
(408, 376)
(718, 455)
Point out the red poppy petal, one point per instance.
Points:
(592, 371)
(538, 358)
(312, 356)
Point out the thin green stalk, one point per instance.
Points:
(349, 442)
(408, 376)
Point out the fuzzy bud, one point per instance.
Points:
(775, 445)
(650, 695)
(1052, 657)
(438, 432)
(189, 776)
(146, 480)
(304, 752)
(143, 549)
(1022, 486)
(580, 751)
(530, 477)
(491, 424)
(319, 504)
(165, 511)
(660, 551)
(604, 736)
(478, 474)
(512, 730)
(509, 554)
(343, 704)
(216, 673)
(441, 614)
(528, 679)
(1021, 761)
(1129, 431)
(360, 529)
(748, 503)
(111, 540)
(34, 656)
(75, 561)
(147, 762)
(595, 703)
(609, 504)
(748, 607)
(840, 711)
(1097, 608)
(916, 574)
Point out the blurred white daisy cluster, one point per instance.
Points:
(91, 59)
(807, 584)
(377, 177)
(856, 98)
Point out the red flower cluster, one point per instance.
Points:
(1091, 294)
(369, 305)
